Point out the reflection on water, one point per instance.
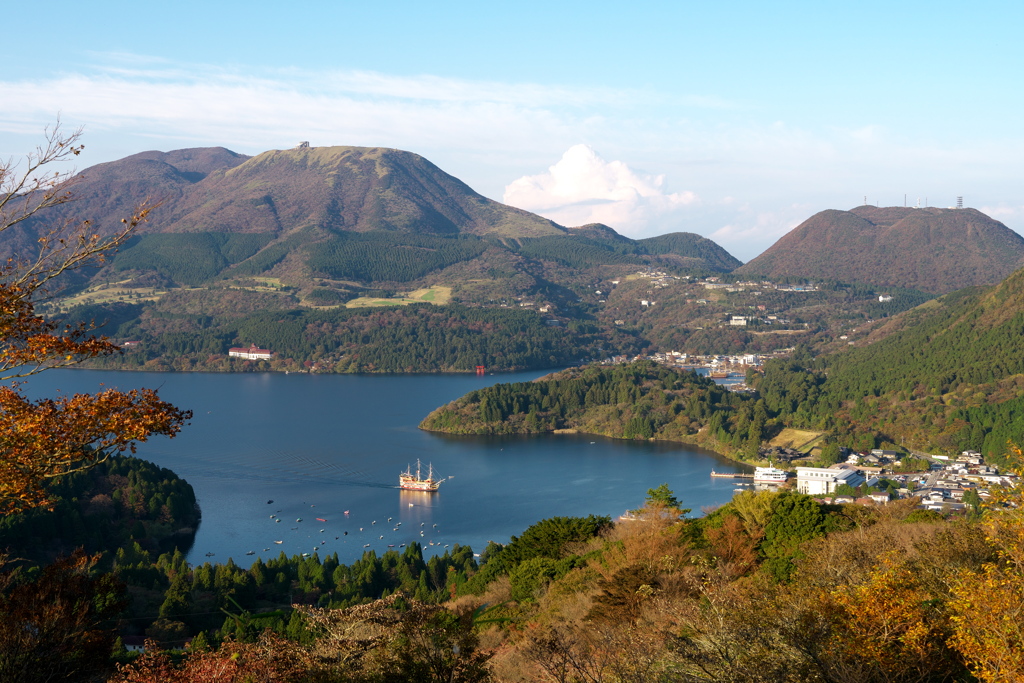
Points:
(321, 446)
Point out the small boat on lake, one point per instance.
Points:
(320, 519)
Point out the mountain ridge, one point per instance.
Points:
(308, 207)
(930, 249)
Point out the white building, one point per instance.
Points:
(822, 481)
(251, 353)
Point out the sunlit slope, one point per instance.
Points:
(357, 189)
(972, 336)
(932, 250)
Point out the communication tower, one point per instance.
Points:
(304, 144)
(959, 202)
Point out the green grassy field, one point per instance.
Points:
(111, 292)
(799, 439)
(434, 295)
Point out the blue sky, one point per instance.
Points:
(736, 121)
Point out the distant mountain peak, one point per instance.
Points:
(930, 249)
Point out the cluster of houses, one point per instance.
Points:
(713, 283)
(744, 320)
(942, 487)
(661, 279)
(715, 363)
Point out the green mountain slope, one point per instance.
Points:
(356, 215)
(691, 248)
(932, 250)
(947, 376)
(319, 228)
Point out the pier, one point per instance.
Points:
(732, 475)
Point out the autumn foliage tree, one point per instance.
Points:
(56, 626)
(988, 603)
(43, 439)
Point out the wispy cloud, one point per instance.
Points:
(750, 231)
(244, 106)
(227, 107)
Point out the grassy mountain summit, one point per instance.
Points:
(932, 250)
(357, 216)
(107, 192)
(356, 189)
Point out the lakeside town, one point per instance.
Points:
(950, 484)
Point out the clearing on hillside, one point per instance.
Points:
(437, 294)
(109, 292)
(797, 439)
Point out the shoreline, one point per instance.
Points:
(572, 431)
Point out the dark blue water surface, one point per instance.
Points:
(321, 445)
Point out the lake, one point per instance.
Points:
(332, 447)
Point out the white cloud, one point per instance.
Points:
(1004, 213)
(750, 232)
(584, 188)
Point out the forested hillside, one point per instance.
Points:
(635, 401)
(416, 338)
(771, 586)
(948, 377)
(121, 501)
(308, 229)
(304, 230)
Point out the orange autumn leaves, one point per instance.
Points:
(51, 437)
(40, 440)
(988, 604)
(30, 343)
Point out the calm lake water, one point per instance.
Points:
(324, 445)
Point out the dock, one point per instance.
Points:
(732, 475)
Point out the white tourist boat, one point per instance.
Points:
(770, 475)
